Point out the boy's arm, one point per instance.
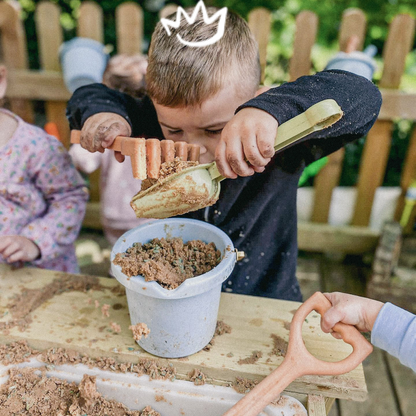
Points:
(65, 195)
(395, 332)
(359, 99)
(110, 113)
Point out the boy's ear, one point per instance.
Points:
(3, 81)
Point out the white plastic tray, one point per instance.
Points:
(178, 398)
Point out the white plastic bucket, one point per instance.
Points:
(83, 62)
(360, 63)
(182, 321)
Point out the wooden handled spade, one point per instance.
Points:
(147, 154)
(299, 362)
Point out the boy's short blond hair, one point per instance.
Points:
(180, 76)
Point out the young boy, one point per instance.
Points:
(193, 93)
(393, 328)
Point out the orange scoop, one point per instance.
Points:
(299, 362)
(146, 155)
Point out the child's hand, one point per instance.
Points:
(17, 248)
(250, 136)
(350, 309)
(100, 130)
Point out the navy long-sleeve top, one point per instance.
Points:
(259, 212)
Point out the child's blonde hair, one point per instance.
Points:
(179, 75)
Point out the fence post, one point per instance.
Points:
(353, 23)
(259, 21)
(305, 36)
(90, 21)
(377, 146)
(90, 25)
(129, 28)
(50, 39)
(408, 175)
(167, 10)
(14, 47)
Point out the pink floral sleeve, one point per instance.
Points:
(66, 195)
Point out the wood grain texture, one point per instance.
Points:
(329, 238)
(405, 384)
(168, 10)
(50, 38)
(377, 146)
(379, 388)
(129, 28)
(14, 54)
(259, 21)
(90, 21)
(305, 36)
(372, 169)
(316, 405)
(397, 105)
(71, 320)
(408, 175)
(353, 23)
(325, 182)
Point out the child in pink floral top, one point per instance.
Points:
(42, 196)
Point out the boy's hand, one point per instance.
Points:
(248, 136)
(100, 130)
(17, 248)
(350, 309)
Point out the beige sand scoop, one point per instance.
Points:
(298, 361)
(199, 186)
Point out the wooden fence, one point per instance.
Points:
(47, 85)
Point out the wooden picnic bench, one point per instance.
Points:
(71, 319)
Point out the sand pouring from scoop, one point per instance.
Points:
(298, 361)
(199, 186)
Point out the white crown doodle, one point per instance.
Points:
(221, 14)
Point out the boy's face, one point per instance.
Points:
(203, 124)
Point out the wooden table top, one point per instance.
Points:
(72, 320)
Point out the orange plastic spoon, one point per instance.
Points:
(299, 361)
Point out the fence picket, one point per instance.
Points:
(90, 25)
(129, 28)
(167, 10)
(325, 182)
(15, 56)
(49, 40)
(90, 21)
(408, 175)
(305, 36)
(377, 146)
(259, 21)
(353, 23)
